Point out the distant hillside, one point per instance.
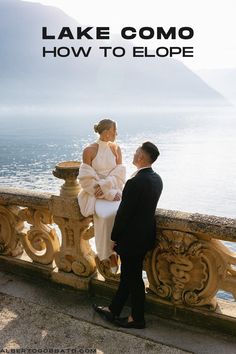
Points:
(27, 77)
(223, 80)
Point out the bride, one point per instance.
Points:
(102, 177)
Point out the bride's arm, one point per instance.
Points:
(118, 156)
(89, 154)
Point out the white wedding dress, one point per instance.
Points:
(111, 178)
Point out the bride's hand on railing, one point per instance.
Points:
(117, 197)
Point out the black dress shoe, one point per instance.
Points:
(124, 323)
(105, 314)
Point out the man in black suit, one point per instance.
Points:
(134, 233)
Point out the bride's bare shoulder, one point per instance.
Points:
(91, 146)
(89, 153)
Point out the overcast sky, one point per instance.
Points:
(212, 20)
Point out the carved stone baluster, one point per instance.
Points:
(225, 263)
(75, 254)
(40, 241)
(10, 227)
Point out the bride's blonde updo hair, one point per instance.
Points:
(104, 124)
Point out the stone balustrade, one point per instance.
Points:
(188, 266)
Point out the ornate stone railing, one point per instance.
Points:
(187, 268)
(190, 263)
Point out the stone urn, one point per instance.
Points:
(69, 171)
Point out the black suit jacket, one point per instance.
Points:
(134, 228)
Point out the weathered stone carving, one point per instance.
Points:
(104, 268)
(68, 171)
(10, 227)
(75, 254)
(226, 269)
(40, 241)
(188, 270)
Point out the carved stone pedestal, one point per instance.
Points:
(68, 171)
(75, 259)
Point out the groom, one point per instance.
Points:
(134, 234)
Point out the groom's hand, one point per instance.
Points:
(114, 244)
(117, 197)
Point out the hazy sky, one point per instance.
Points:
(212, 20)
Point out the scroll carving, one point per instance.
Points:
(76, 254)
(40, 241)
(104, 268)
(227, 269)
(187, 270)
(10, 228)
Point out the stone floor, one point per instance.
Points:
(40, 317)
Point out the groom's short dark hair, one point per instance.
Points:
(151, 150)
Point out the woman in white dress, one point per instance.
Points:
(102, 177)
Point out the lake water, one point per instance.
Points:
(197, 161)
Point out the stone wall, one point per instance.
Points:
(188, 266)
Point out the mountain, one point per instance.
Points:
(28, 78)
(223, 80)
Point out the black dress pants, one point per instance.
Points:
(131, 284)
